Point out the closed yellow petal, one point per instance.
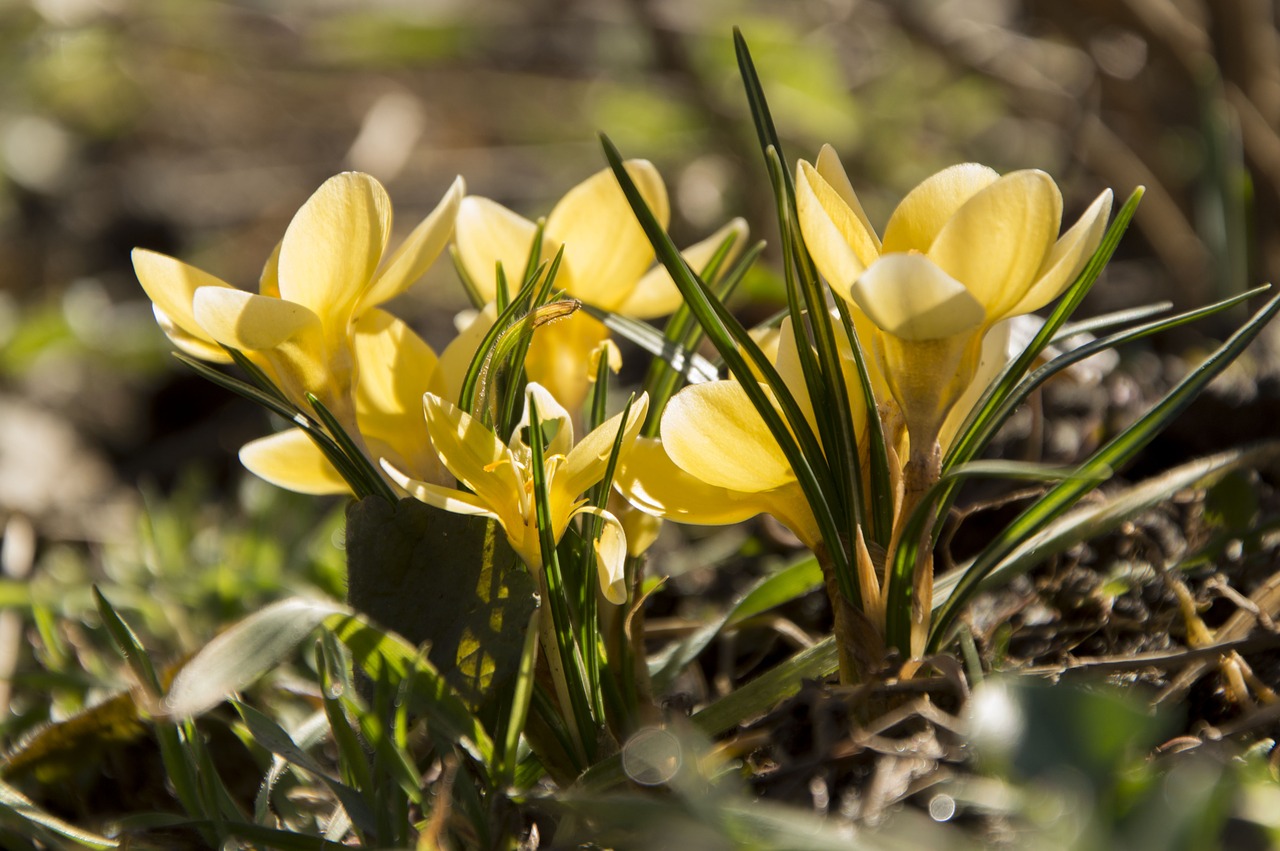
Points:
(652, 482)
(291, 460)
(1068, 257)
(605, 249)
(995, 243)
(657, 295)
(918, 220)
(486, 234)
(832, 171)
(908, 296)
(333, 247)
(714, 432)
(477, 458)
(830, 230)
(419, 250)
(171, 285)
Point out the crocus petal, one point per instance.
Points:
(908, 296)
(550, 413)
(559, 357)
(611, 555)
(486, 234)
(171, 285)
(395, 365)
(714, 432)
(998, 348)
(605, 249)
(197, 346)
(830, 230)
(448, 499)
(476, 458)
(831, 170)
(786, 361)
(998, 240)
(419, 250)
(657, 295)
(269, 280)
(291, 460)
(333, 246)
(243, 320)
(457, 356)
(1069, 255)
(652, 482)
(920, 217)
(586, 463)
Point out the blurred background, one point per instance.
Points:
(197, 128)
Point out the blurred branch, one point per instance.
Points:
(1036, 95)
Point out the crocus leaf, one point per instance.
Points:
(443, 578)
(244, 652)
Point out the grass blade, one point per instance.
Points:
(1116, 452)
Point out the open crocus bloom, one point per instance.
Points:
(607, 263)
(500, 476)
(964, 250)
(394, 369)
(328, 271)
(717, 462)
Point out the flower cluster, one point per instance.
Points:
(966, 252)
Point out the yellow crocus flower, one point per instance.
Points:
(964, 250)
(716, 461)
(608, 262)
(500, 476)
(330, 270)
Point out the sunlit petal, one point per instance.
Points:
(652, 482)
(1069, 255)
(291, 460)
(605, 249)
(586, 463)
(333, 246)
(998, 348)
(269, 280)
(611, 555)
(657, 294)
(200, 346)
(477, 458)
(830, 230)
(559, 357)
(456, 358)
(171, 285)
(243, 320)
(551, 414)
(997, 240)
(920, 217)
(831, 170)
(419, 250)
(448, 499)
(486, 234)
(396, 367)
(908, 296)
(714, 432)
